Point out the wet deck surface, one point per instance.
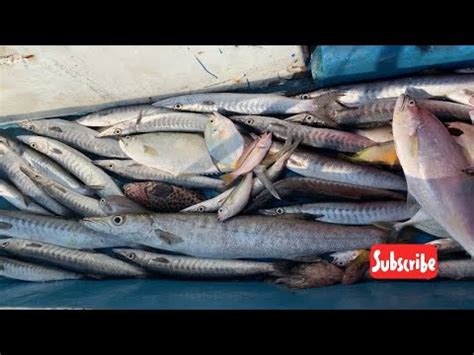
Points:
(164, 294)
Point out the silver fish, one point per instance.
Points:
(175, 153)
(254, 104)
(76, 135)
(115, 115)
(54, 230)
(311, 136)
(75, 162)
(43, 165)
(457, 87)
(252, 237)
(355, 213)
(224, 142)
(11, 164)
(457, 269)
(201, 268)
(435, 172)
(131, 169)
(20, 201)
(237, 199)
(80, 261)
(82, 205)
(162, 121)
(20, 270)
(310, 164)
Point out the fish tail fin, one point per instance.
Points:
(391, 229)
(259, 171)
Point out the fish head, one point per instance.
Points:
(36, 142)
(195, 103)
(224, 212)
(17, 244)
(7, 244)
(43, 126)
(120, 224)
(35, 176)
(258, 123)
(113, 131)
(108, 164)
(116, 204)
(273, 211)
(406, 114)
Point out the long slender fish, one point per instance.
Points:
(175, 153)
(458, 87)
(297, 187)
(272, 173)
(224, 142)
(20, 270)
(11, 164)
(54, 230)
(250, 237)
(380, 112)
(161, 197)
(435, 173)
(115, 115)
(355, 213)
(20, 201)
(132, 170)
(75, 162)
(311, 136)
(80, 261)
(254, 104)
(81, 204)
(310, 164)
(162, 121)
(42, 164)
(456, 269)
(197, 268)
(77, 135)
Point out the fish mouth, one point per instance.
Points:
(94, 224)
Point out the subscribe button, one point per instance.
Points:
(403, 261)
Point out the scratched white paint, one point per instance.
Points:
(44, 81)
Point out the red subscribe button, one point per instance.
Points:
(403, 261)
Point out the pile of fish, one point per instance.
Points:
(290, 190)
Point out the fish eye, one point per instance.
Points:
(5, 243)
(201, 208)
(131, 256)
(304, 97)
(309, 118)
(279, 210)
(102, 201)
(33, 145)
(111, 166)
(117, 220)
(411, 103)
(249, 121)
(220, 210)
(117, 131)
(128, 138)
(178, 106)
(211, 120)
(31, 127)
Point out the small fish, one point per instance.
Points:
(77, 135)
(178, 266)
(355, 213)
(132, 170)
(241, 237)
(75, 162)
(175, 153)
(161, 121)
(253, 104)
(85, 262)
(25, 271)
(115, 115)
(224, 142)
(251, 157)
(111, 205)
(20, 201)
(161, 197)
(237, 200)
(435, 172)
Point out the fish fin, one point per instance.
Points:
(259, 171)
(149, 150)
(27, 200)
(229, 178)
(168, 238)
(418, 93)
(469, 170)
(140, 116)
(96, 187)
(5, 225)
(414, 145)
(317, 216)
(412, 204)
(56, 129)
(288, 148)
(56, 151)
